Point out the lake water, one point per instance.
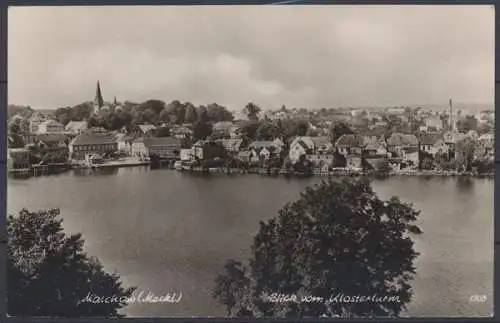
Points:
(165, 231)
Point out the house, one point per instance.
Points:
(231, 145)
(405, 147)
(397, 142)
(207, 150)
(451, 138)
(181, 132)
(375, 148)
(164, 147)
(124, 142)
(50, 126)
(18, 158)
(222, 129)
(138, 147)
(77, 127)
(350, 144)
(92, 143)
(311, 147)
(145, 129)
(354, 162)
(52, 141)
(186, 154)
(263, 150)
(321, 162)
(244, 156)
(34, 121)
(485, 146)
(432, 144)
(434, 122)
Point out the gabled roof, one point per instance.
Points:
(52, 138)
(222, 126)
(374, 146)
(161, 142)
(410, 150)
(350, 141)
(400, 139)
(93, 139)
(429, 139)
(321, 141)
(146, 127)
(76, 125)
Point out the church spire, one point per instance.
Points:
(98, 101)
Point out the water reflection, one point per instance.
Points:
(96, 171)
(174, 230)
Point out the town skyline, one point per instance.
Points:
(204, 61)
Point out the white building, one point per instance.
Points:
(50, 126)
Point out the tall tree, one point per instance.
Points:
(464, 154)
(202, 130)
(252, 111)
(344, 238)
(51, 275)
(467, 124)
(339, 129)
(191, 113)
(218, 113)
(267, 130)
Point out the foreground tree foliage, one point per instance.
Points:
(49, 273)
(339, 237)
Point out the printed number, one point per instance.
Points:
(478, 298)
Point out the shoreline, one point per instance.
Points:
(343, 173)
(255, 171)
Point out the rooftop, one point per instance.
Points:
(93, 139)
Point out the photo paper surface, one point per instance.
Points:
(250, 161)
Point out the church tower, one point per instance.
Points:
(98, 101)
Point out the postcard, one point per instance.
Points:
(250, 161)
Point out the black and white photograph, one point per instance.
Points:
(271, 161)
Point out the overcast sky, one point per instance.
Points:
(301, 56)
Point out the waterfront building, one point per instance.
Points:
(50, 126)
(206, 149)
(124, 142)
(485, 147)
(351, 144)
(314, 148)
(433, 144)
(138, 147)
(92, 143)
(264, 151)
(164, 147)
(52, 141)
(18, 158)
(186, 154)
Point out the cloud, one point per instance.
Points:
(301, 56)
